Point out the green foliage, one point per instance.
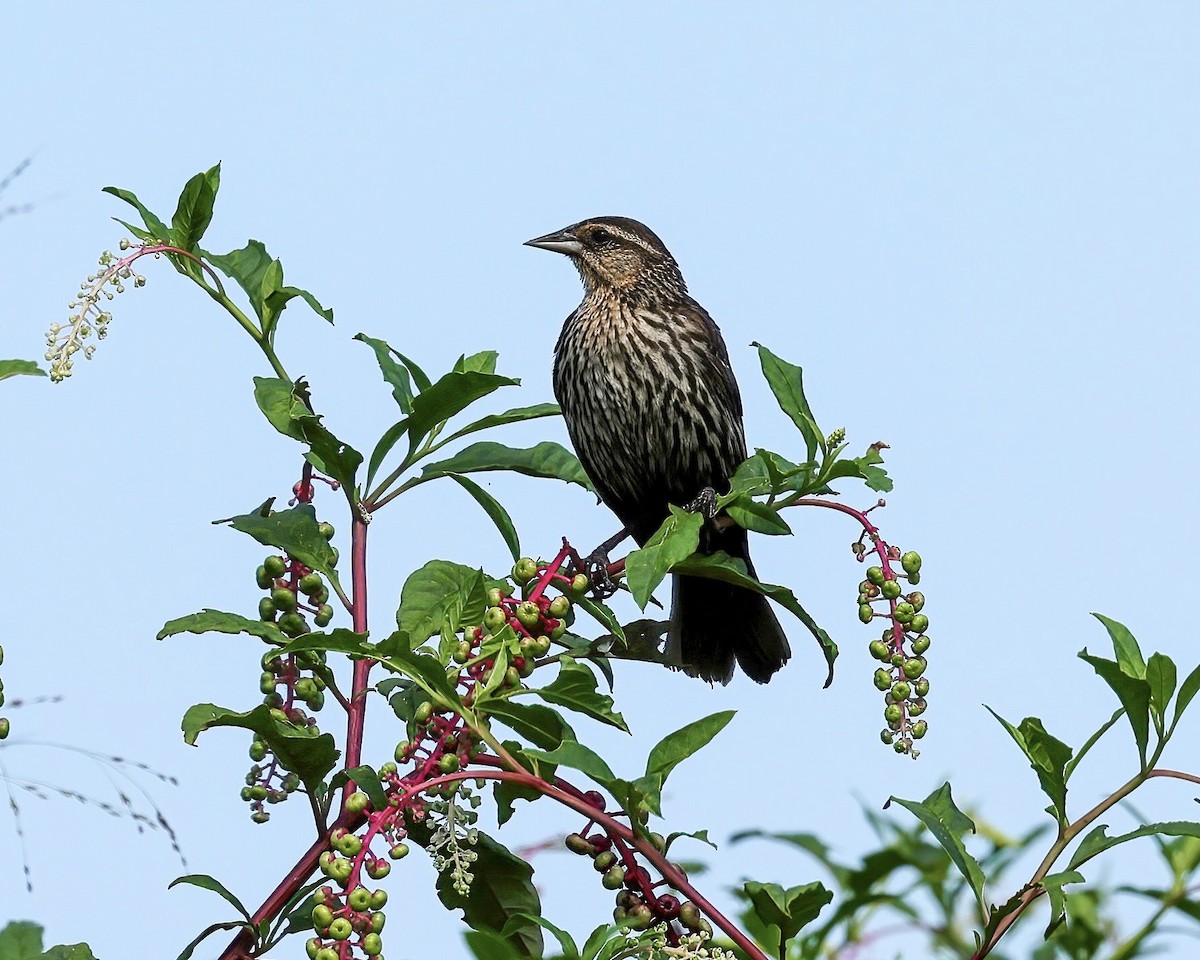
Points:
(470, 657)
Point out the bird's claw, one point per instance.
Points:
(594, 566)
(705, 503)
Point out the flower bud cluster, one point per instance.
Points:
(901, 648)
(88, 316)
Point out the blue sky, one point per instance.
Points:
(975, 226)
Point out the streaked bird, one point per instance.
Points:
(653, 410)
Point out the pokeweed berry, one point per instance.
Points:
(614, 878)
(919, 623)
(398, 851)
(876, 576)
(604, 861)
(920, 644)
(326, 530)
(359, 898)
(559, 607)
(340, 929)
(275, 566)
(372, 945)
(310, 583)
(524, 570)
(357, 802)
(890, 589)
(577, 843)
(323, 615)
(529, 614)
(911, 562)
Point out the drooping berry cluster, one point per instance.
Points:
(901, 647)
(287, 681)
(354, 917)
(639, 903)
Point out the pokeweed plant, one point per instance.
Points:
(481, 670)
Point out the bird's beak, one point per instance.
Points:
(558, 242)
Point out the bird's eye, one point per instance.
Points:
(600, 235)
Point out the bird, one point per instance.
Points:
(651, 405)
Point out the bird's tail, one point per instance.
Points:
(714, 624)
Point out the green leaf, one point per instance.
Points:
(74, 951)
(218, 621)
(671, 751)
(485, 945)
(338, 640)
(721, 566)
(502, 889)
(674, 541)
(1187, 692)
(286, 405)
(368, 781)
(15, 368)
(1053, 885)
(158, 229)
(311, 757)
(537, 724)
(1048, 757)
(789, 910)
(753, 515)
(293, 530)
(600, 612)
(20, 940)
(440, 593)
(1093, 740)
(1134, 694)
(1161, 675)
(396, 374)
(869, 470)
(787, 383)
(565, 940)
(676, 747)
(194, 211)
(948, 824)
(391, 436)
(495, 511)
(547, 459)
(1128, 653)
(1098, 840)
(507, 792)
(750, 478)
(515, 415)
(424, 668)
(596, 940)
(205, 882)
(482, 362)
(575, 755)
(452, 394)
(575, 689)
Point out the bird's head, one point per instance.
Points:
(616, 254)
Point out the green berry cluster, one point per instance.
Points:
(5, 726)
(287, 682)
(292, 591)
(353, 917)
(639, 904)
(901, 648)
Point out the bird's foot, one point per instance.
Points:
(595, 566)
(705, 503)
